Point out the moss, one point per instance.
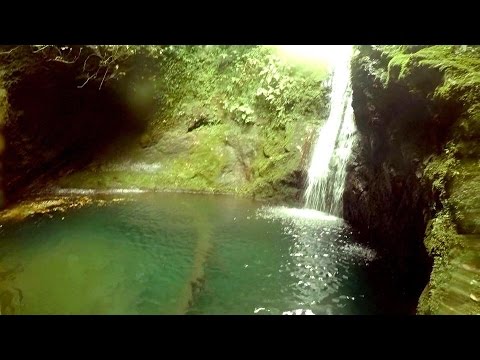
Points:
(226, 119)
(47, 205)
(398, 67)
(468, 126)
(428, 96)
(465, 196)
(441, 234)
(468, 149)
(280, 158)
(457, 181)
(423, 307)
(146, 140)
(429, 302)
(441, 169)
(197, 169)
(3, 105)
(459, 68)
(453, 286)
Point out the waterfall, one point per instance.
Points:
(327, 171)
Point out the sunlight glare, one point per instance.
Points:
(326, 54)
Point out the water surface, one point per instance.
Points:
(167, 253)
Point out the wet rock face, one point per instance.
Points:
(413, 177)
(3, 119)
(3, 106)
(381, 175)
(385, 196)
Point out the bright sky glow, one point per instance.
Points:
(326, 54)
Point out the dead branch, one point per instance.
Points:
(88, 57)
(106, 70)
(9, 51)
(40, 49)
(59, 58)
(109, 58)
(90, 77)
(85, 83)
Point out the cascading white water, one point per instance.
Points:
(327, 171)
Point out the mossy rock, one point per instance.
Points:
(146, 140)
(417, 111)
(468, 126)
(220, 119)
(454, 286)
(468, 149)
(465, 197)
(441, 234)
(3, 106)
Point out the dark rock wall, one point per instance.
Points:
(51, 124)
(385, 195)
(410, 184)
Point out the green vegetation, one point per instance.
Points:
(92, 64)
(449, 77)
(244, 84)
(419, 105)
(441, 169)
(459, 66)
(441, 235)
(237, 110)
(241, 120)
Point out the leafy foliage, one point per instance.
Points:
(241, 112)
(441, 170)
(245, 84)
(94, 63)
(441, 234)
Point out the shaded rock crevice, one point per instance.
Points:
(53, 125)
(415, 112)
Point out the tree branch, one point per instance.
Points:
(88, 57)
(9, 51)
(59, 59)
(42, 48)
(106, 71)
(85, 83)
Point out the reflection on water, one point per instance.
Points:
(323, 262)
(179, 253)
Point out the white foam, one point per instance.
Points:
(283, 212)
(299, 312)
(327, 170)
(360, 251)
